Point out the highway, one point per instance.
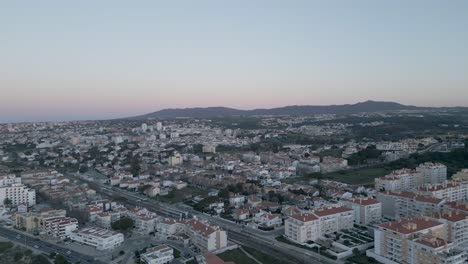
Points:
(256, 239)
(37, 244)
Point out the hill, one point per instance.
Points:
(295, 110)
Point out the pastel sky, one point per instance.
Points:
(68, 60)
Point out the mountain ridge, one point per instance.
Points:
(291, 110)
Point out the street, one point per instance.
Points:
(73, 256)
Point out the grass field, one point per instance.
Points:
(359, 176)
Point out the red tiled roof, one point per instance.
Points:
(331, 211)
(410, 225)
(304, 217)
(363, 201)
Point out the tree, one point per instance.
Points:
(135, 167)
(39, 259)
(356, 252)
(83, 168)
(123, 224)
(59, 259)
(7, 202)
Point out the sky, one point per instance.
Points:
(74, 60)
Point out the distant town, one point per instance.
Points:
(369, 187)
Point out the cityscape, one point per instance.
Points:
(247, 132)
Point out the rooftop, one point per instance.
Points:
(410, 225)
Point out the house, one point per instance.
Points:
(241, 214)
(266, 219)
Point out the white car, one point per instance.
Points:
(36, 246)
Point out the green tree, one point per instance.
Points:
(7, 202)
(123, 224)
(135, 166)
(39, 259)
(59, 259)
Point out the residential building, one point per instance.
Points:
(334, 219)
(366, 210)
(396, 205)
(456, 226)
(400, 180)
(161, 254)
(461, 175)
(435, 250)
(433, 172)
(393, 240)
(450, 191)
(60, 227)
(203, 235)
(236, 199)
(301, 228)
(267, 219)
(17, 193)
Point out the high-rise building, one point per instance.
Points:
(159, 126)
(400, 180)
(433, 172)
(366, 210)
(397, 205)
(12, 190)
(413, 241)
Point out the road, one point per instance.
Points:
(73, 257)
(256, 239)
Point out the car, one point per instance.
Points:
(68, 252)
(67, 243)
(36, 246)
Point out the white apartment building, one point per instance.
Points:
(158, 255)
(456, 227)
(398, 205)
(145, 221)
(301, 228)
(400, 180)
(435, 250)
(169, 227)
(204, 236)
(366, 210)
(433, 172)
(175, 160)
(12, 189)
(393, 240)
(60, 227)
(451, 191)
(101, 239)
(334, 219)
(9, 179)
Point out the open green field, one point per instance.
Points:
(362, 176)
